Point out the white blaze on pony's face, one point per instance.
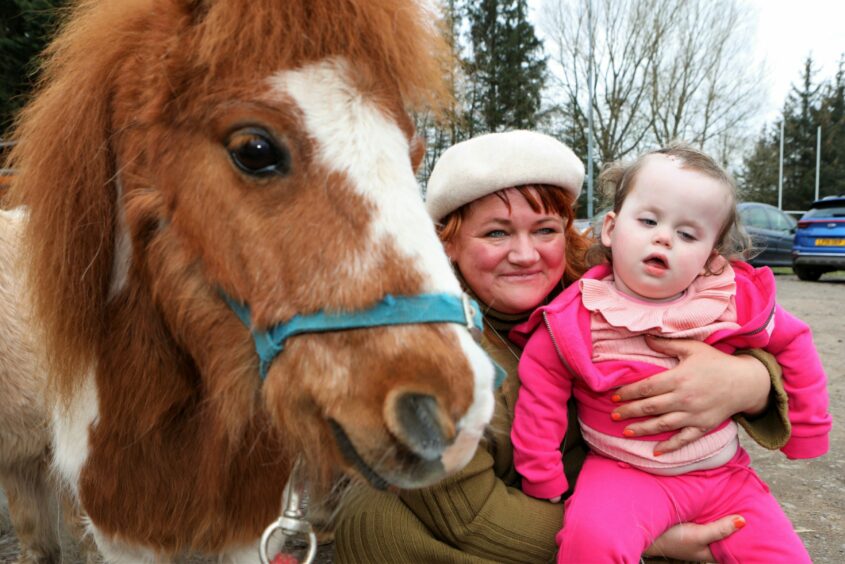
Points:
(354, 137)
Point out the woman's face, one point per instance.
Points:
(510, 259)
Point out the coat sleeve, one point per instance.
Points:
(540, 418)
(771, 428)
(805, 383)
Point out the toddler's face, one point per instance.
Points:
(665, 232)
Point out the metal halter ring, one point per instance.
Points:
(292, 522)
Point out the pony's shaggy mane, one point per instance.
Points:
(117, 66)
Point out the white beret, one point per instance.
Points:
(480, 166)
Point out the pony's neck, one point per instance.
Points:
(160, 447)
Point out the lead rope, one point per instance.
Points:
(292, 522)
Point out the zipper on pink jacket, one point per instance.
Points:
(557, 348)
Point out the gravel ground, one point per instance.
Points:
(811, 492)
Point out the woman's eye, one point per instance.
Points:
(648, 221)
(495, 234)
(257, 153)
(547, 231)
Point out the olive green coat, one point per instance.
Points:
(480, 515)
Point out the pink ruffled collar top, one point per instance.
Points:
(709, 299)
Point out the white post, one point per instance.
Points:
(818, 158)
(590, 113)
(780, 170)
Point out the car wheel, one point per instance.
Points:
(807, 272)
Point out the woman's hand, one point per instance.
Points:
(706, 388)
(691, 542)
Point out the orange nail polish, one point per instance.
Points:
(658, 453)
(616, 398)
(615, 416)
(739, 523)
(628, 433)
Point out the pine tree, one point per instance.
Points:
(802, 113)
(758, 180)
(497, 73)
(832, 120)
(507, 66)
(801, 118)
(25, 28)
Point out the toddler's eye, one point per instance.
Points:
(687, 236)
(647, 221)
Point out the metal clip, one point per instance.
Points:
(469, 315)
(292, 523)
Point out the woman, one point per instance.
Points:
(504, 203)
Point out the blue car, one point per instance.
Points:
(771, 232)
(819, 244)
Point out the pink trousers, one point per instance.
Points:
(617, 511)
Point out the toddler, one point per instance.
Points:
(668, 240)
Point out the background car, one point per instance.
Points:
(820, 239)
(771, 231)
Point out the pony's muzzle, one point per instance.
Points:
(420, 424)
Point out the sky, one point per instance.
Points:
(786, 32)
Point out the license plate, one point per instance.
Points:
(830, 242)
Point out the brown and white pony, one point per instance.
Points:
(178, 150)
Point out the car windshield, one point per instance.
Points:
(826, 211)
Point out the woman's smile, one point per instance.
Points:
(521, 276)
(511, 256)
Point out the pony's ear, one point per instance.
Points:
(66, 176)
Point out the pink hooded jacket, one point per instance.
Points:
(556, 363)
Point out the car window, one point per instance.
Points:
(827, 211)
(780, 221)
(755, 217)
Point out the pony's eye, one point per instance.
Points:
(257, 153)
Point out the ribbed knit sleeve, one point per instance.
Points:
(770, 429)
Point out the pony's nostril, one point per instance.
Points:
(421, 425)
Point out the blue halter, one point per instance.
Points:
(392, 310)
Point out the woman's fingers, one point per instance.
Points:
(646, 388)
(680, 439)
(679, 348)
(654, 425)
(689, 541)
(649, 407)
